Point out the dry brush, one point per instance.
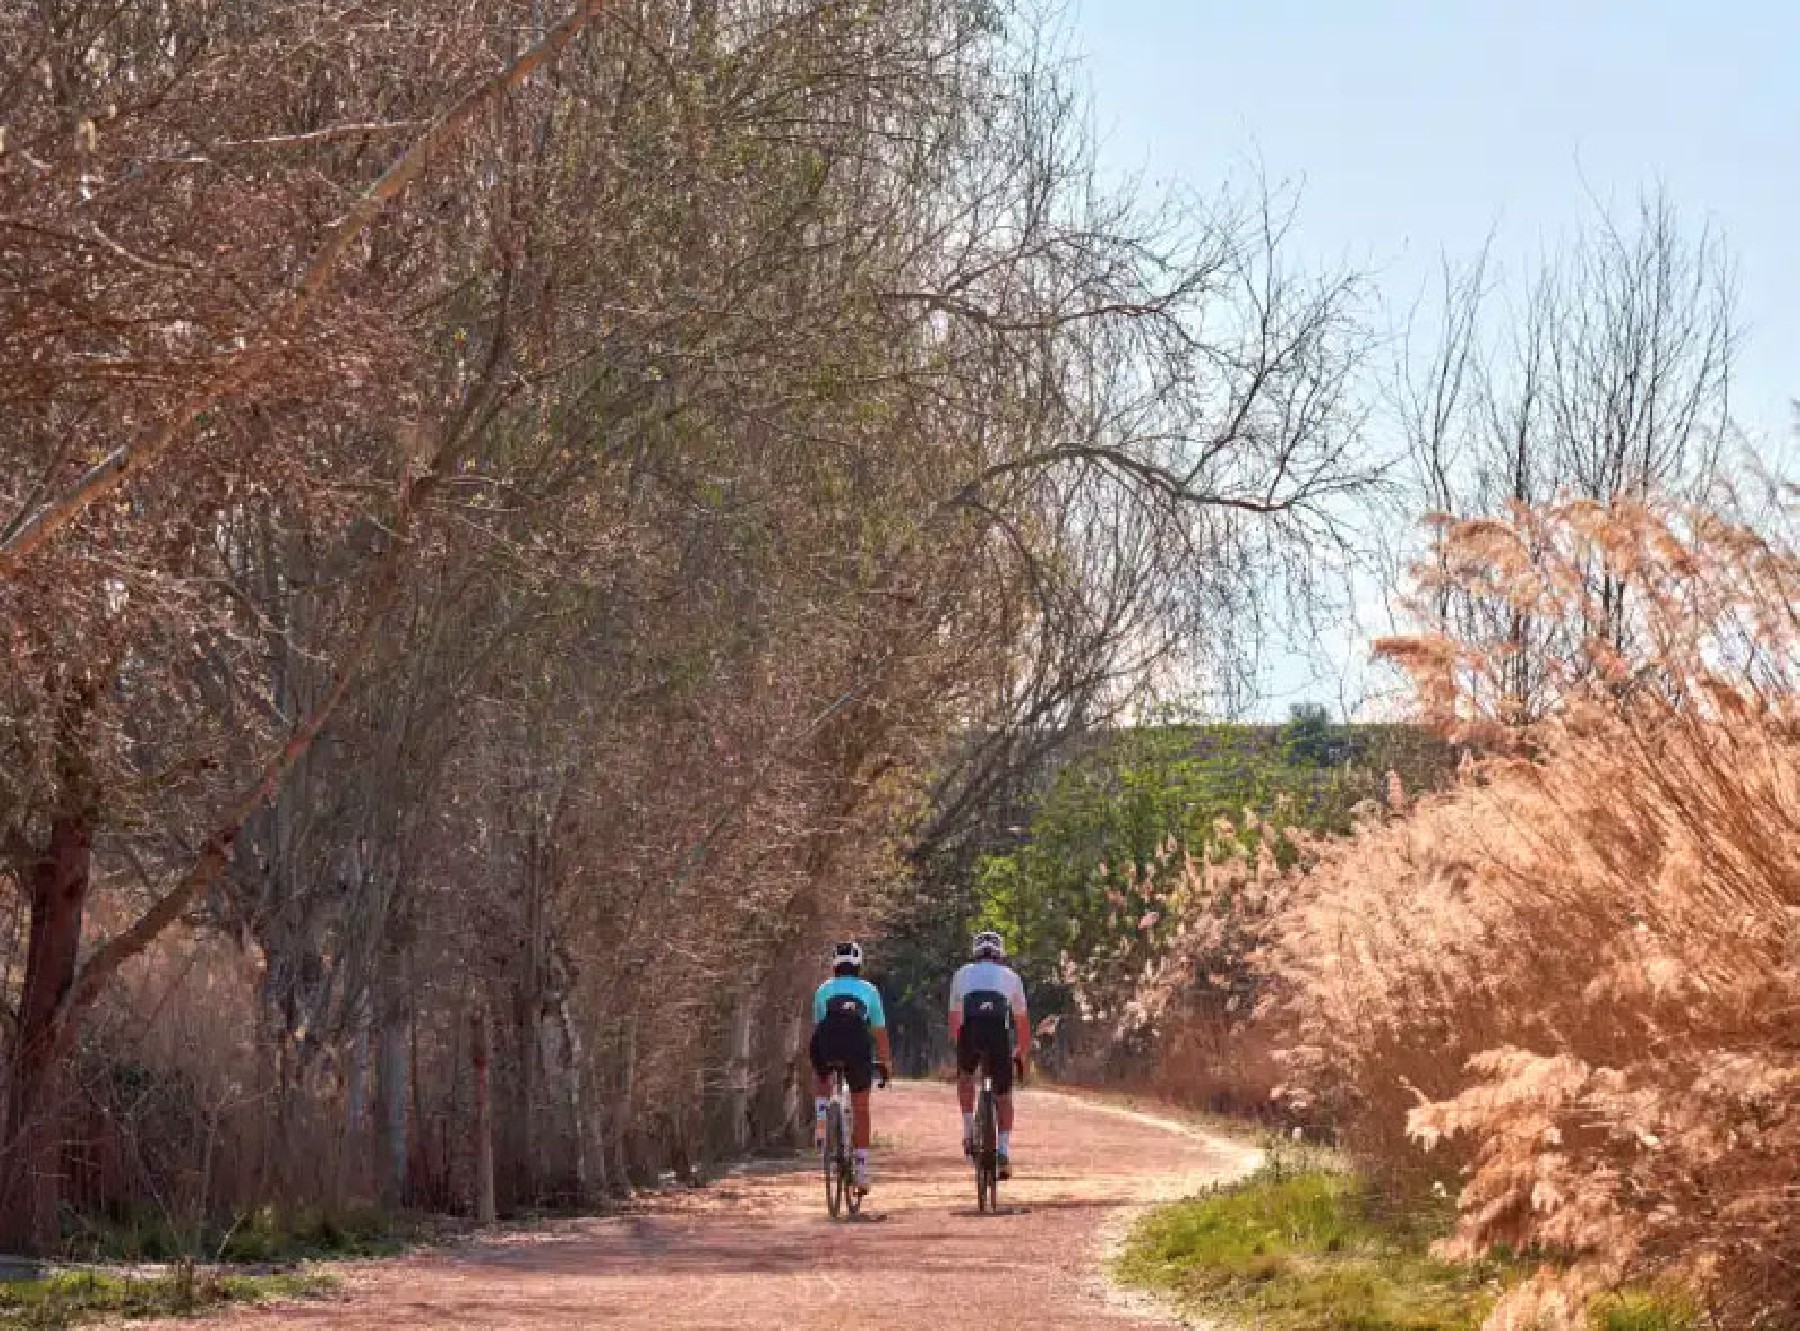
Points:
(1568, 988)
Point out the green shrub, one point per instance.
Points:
(1313, 1249)
(67, 1298)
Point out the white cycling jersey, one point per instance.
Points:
(984, 976)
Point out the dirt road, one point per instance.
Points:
(757, 1251)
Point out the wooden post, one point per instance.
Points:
(482, 1046)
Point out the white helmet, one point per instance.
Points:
(989, 944)
(847, 953)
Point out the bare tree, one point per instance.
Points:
(508, 551)
(1608, 381)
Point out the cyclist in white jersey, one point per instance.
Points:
(991, 1028)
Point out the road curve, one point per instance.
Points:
(757, 1250)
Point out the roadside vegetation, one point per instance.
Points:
(1092, 883)
(71, 1298)
(1546, 1009)
(1301, 1246)
(269, 1236)
(1095, 892)
(1567, 986)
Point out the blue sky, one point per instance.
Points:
(1416, 130)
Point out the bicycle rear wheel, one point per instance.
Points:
(834, 1158)
(987, 1153)
(853, 1198)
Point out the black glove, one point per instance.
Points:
(1019, 1066)
(881, 1075)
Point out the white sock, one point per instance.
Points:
(862, 1161)
(969, 1127)
(1006, 1143)
(820, 1103)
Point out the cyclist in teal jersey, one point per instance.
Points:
(849, 1032)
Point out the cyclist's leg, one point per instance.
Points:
(821, 1085)
(968, 1061)
(859, 1072)
(965, 1090)
(821, 1103)
(998, 1055)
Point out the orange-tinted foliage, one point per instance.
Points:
(1578, 974)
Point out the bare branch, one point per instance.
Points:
(129, 459)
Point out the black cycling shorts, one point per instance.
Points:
(847, 1045)
(987, 1044)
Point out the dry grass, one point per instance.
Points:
(1578, 975)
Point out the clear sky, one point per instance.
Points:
(1415, 129)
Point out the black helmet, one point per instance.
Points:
(989, 944)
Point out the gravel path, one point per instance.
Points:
(757, 1250)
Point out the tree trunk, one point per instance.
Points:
(484, 1122)
(394, 1080)
(354, 1160)
(578, 1124)
(30, 1145)
(527, 1019)
(742, 1081)
(356, 1089)
(796, 1090)
(619, 1125)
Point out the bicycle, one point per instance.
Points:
(841, 1191)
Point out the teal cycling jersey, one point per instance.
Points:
(851, 986)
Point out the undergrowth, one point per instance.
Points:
(267, 1236)
(1570, 982)
(1311, 1249)
(68, 1298)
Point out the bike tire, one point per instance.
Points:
(987, 1154)
(834, 1158)
(853, 1198)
